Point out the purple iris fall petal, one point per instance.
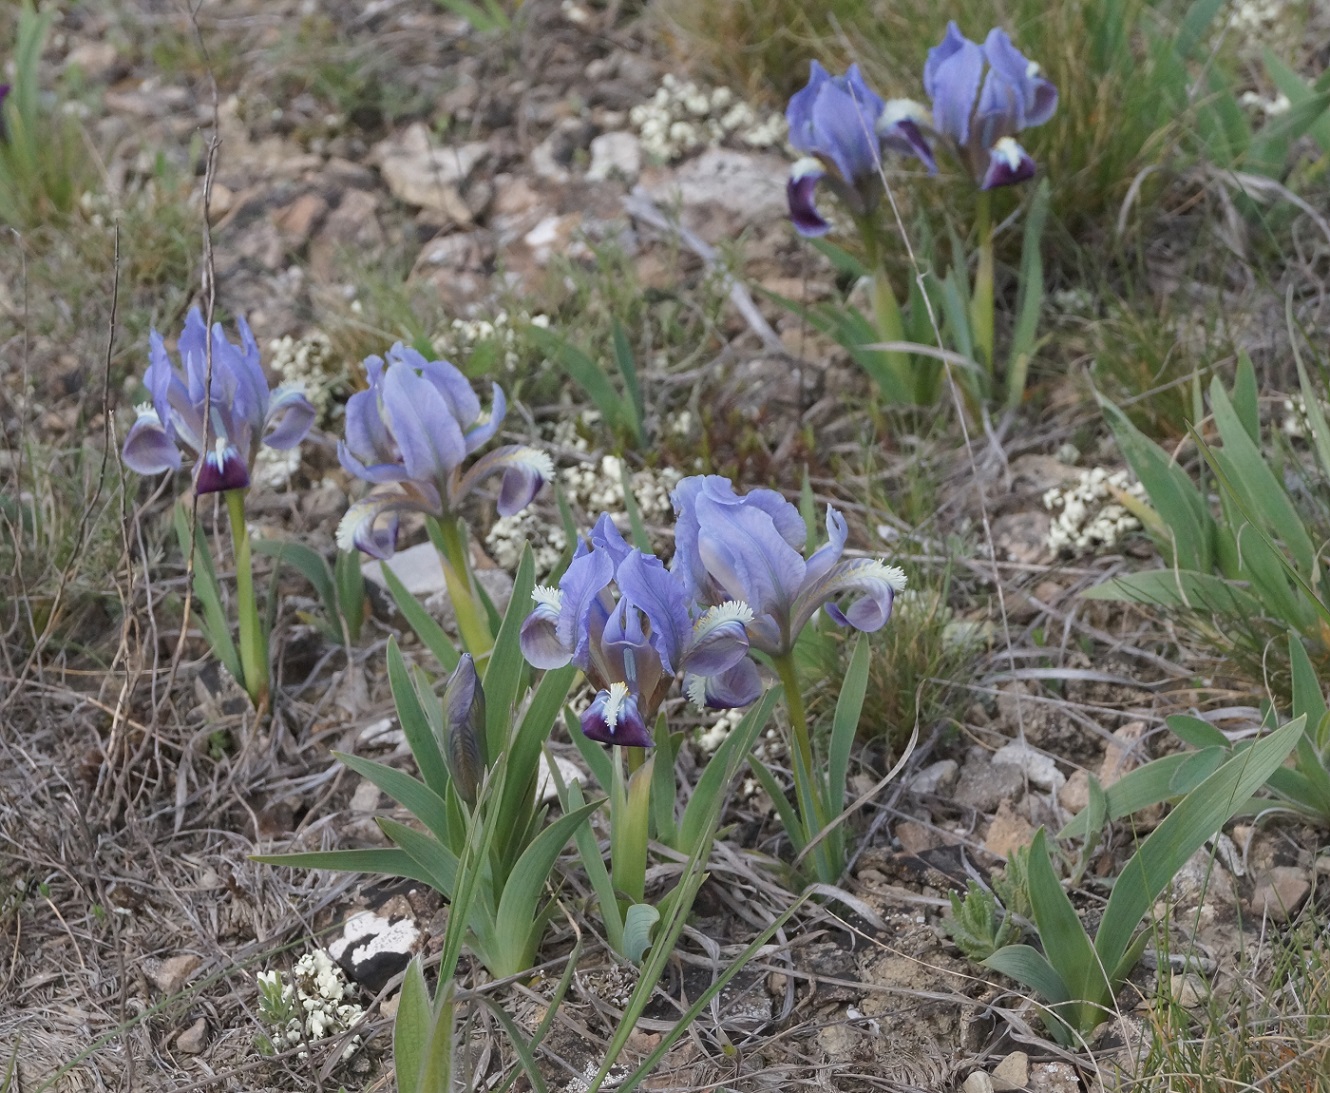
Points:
(1008, 163)
(800, 192)
(230, 390)
(614, 718)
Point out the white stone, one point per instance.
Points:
(1041, 769)
(418, 172)
(615, 155)
(569, 772)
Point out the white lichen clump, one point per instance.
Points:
(712, 737)
(463, 337)
(683, 117)
(308, 362)
(1089, 516)
(594, 486)
(310, 1007)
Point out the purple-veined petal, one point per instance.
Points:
(539, 636)
(614, 718)
(1008, 163)
(581, 587)
(369, 451)
(221, 469)
(429, 437)
(377, 473)
(192, 348)
(799, 112)
(290, 417)
(739, 685)
(747, 556)
(625, 653)
(952, 77)
(872, 584)
(525, 470)
(605, 536)
(719, 639)
(359, 530)
(644, 581)
(247, 385)
(800, 192)
(480, 434)
(844, 122)
(828, 554)
(446, 378)
(1014, 86)
(149, 448)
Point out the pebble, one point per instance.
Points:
(934, 778)
(1280, 893)
(173, 973)
(983, 786)
(1013, 1072)
(1189, 990)
(1041, 769)
(194, 1039)
(1054, 1078)
(615, 155)
(978, 1082)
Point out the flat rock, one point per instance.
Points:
(977, 1082)
(419, 173)
(1040, 769)
(376, 945)
(1013, 1072)
(983, 786)
(934, 778)
(1280, 893)
(173, 973)
(1010, 831)
(1054, 1078)
(1074, 796)
(722, 192)
(194, 1039)
(615, 155)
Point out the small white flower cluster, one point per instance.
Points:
(683, 117)
(462, 337)
(1090, 517)
(1271, 107)
(308, 362)
(1249, 18)
(310, 1007)
(274, 468)
(594, 487)
(1296, 423)
(709, 739)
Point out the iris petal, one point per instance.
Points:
(525, 470)
(800, 191)
(149, 448)
(290, 417)
(952, 76)
(614, 718)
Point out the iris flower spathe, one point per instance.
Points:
(241, 411)
(842, 127)
(631, 648)
(983, 95)
(750, 548)
(409, 434)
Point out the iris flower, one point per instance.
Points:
(409, 435)
(842, 128)
(242, 412)
(982, 97)
(631, 648)
(751, 548)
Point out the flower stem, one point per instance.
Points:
(450, 541)
(253, 634)
(808, 794)
(981, 300)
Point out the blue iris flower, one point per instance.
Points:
(632, 646)
(241, 411)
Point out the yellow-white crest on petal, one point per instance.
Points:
(728, 611)
(547, 596)
(147, 410)
(898, 110)
(892, 574)
(806, 166)
(1007, 150)
(696, 688)
(618, 696)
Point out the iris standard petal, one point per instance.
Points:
(627, 653)
(525, 470)
(844, 124)
(747, 556)
(645, 582)
(290, 417)
(952, 76)
(1008, 163)
(799, 112)
(614, 718)
(828, 554)
(479, 434)
(149, 448)
(369, 451)
(581, 586)
(800, 191)
(539, 636)
(446, 378)
(427, 434)
(248, 384)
